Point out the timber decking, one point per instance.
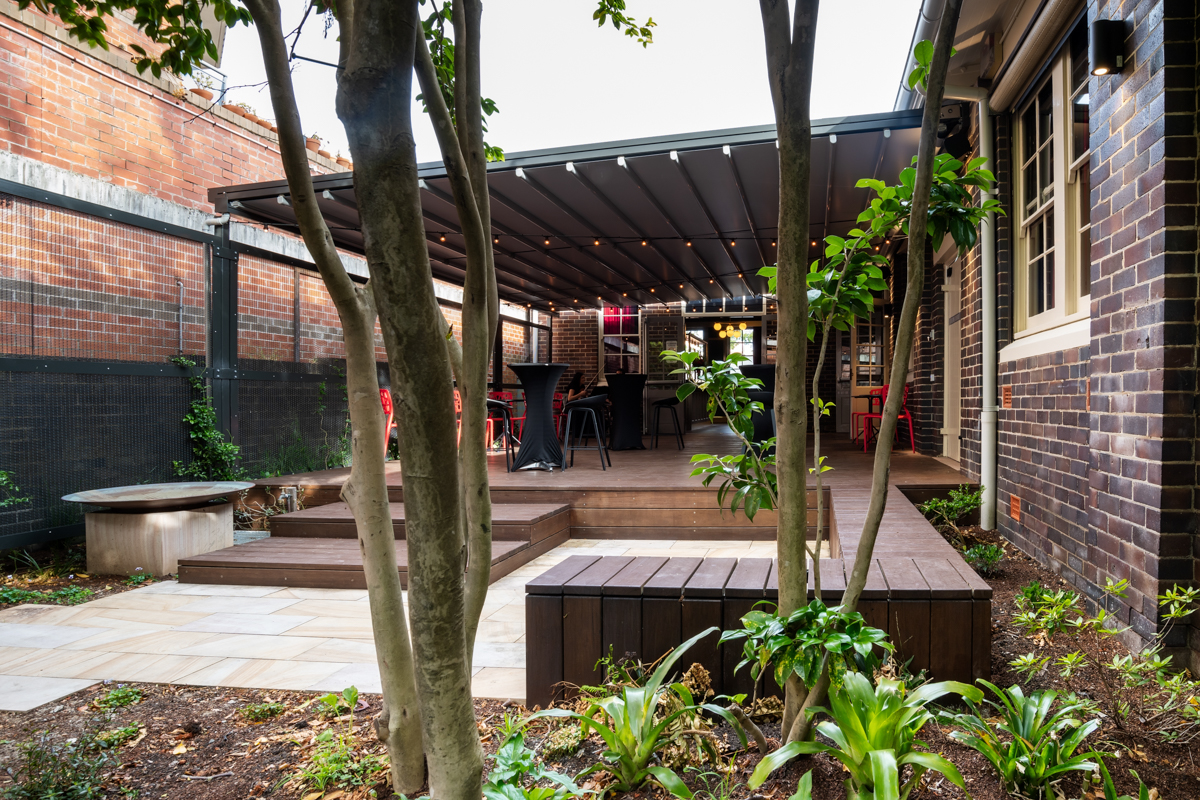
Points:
(525, 522)
(326, 563)
(936, 611)
(317, 548)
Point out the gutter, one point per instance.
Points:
(927, 21)
(987, 246)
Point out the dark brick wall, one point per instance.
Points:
(926, 398)
(1144, 295)
(1043, 461)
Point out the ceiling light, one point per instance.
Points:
(721, 334)
(496, 240)
(597, 243)
(443, 237)
(814, 242)
(624, 294)
(547, 243)
(643, 242)
(651, 291)
(732, 243)
(741, 326)
(689, 244)
(716, 326)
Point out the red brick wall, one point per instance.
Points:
(95, 116)
(577, 343)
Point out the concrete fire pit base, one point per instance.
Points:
(129, 542)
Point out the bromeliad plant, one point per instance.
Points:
(1041, 743)
(874, 731)
(804, 642)
(634, 733)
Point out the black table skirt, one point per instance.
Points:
(625, 393)
(539, 441)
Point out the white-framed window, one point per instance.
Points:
(1053, 248)
(620, 340)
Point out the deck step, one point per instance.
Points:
(521, 522)
(315, 563)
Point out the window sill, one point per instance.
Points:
(1063, 337)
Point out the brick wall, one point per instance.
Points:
(90, 112)
(576, 343)
(927, 380)
(1144, 305)
(1043, 461)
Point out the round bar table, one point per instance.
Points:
(764, 421)
(625, 394)
(539, 440)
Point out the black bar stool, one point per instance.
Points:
(659, 406)
(590, 409)
(505, 411)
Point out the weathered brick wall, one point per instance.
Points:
(927, 383)
(576, 343)
(1144, 305)
(1043, 461)
(90, 112)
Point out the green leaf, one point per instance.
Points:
(671, 782)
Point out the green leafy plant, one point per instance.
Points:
(10, 493)
(261, 712)
(1071, 663)
(1041, 742)
(634, 734)
(335, 705)
(60, 770)
(517, 772)
(984, 558)
(1110, 791)
(335, 761)
(66, 595)
(874, 733)
(119, 697)
(946, 512)
(117, 737)
(1029, 664)
(562, 741)
(801, 642)
(1048, 614)
(139, 578)
(213, 458)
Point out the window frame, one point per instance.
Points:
(1067, 207)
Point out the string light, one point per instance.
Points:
(689, 244)
(710, 280)
(547, 243)
(772, 244)
(732, 243)
(814, 243)
(496, 240)
(444, 238)
(643, 242)
(597, 243)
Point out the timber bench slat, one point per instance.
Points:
(642, 607)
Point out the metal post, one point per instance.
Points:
(296, 315)
(223, 333)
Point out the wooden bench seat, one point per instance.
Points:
(936, 611)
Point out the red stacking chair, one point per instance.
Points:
(517, 423)
(903, 415)
(557, 407)
(856, 416)
(385, 399)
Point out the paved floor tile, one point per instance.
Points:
(348, 609)
(268, 624)
(499, 683)
(490, 631)
(34, 635)
(263, 673)
(236, 605)
(513, 612)
(209, 590)
(334, 628)
(131, 617)
(142, 602)
(340, 650)
(24, 693)
(236, 645)
(362, 676)
(499, 654)
(321, 594)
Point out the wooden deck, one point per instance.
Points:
(646, 494)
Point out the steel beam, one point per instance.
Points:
(683, 171)
(737, 181)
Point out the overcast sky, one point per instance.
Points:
(559, 80)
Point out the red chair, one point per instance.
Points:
(903, 415)
(458, 416)
(517, 423)
(557, 408)
(385, 399)
(856, 416)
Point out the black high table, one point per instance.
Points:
(539, 440)
(764, 421)
(625, 394)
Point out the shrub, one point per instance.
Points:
(67, 770)
(946, 513)
(119, 698)
(1042, 744)
(984, 558)
(874, 730)
(261, 712)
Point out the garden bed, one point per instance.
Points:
(224, 755)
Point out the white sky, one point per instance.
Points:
(559, 80)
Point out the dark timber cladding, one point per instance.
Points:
(611, 223)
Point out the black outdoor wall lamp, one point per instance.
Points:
(1107, 46)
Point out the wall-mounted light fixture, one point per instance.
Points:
(1106, 47)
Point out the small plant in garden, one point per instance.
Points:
(335, 705)
(119, 697)
(808, 639)
(60, 770)
(1040, 744)
(213, 458)
(1110, 791)
(335, 761)
(10, 493)
(261, 712)
(984, 558)
(562, 741)
(1029, 665)
(874, 731)
(517, 772)
(120, 736)
(1049, 614)
(634, 734)
(946, 513)
(67, 595)
(139, 578)
(1070, 663)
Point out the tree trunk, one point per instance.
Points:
(917, 237)
(374, 104)
(789, 44)
(366, 490)
(817, 414)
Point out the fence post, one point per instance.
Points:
(223, 333)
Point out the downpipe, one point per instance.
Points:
(989, 412)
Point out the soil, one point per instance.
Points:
(58, 567)
(196, 744)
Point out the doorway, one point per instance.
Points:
(952, 367)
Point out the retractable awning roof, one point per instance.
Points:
(635, 222)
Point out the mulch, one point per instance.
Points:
(197, 745)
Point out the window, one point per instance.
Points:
(1053, 276)
(868, 350)
(620, 340)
